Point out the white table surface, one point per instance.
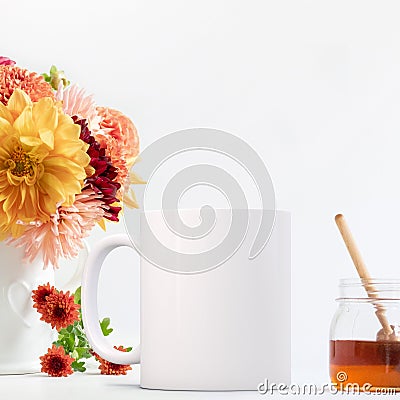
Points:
(95, 386)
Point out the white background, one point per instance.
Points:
(313, 86)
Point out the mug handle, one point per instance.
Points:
(90, 313)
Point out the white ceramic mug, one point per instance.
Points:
(23, 337)
(227, 328)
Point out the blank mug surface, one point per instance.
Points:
(223, 329)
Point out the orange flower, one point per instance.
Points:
(40, 295)
(120, 127)
(109, 368)
(56, 363)
(59, 310)
(12, 77)
(119, 136)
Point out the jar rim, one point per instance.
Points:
(369, 290)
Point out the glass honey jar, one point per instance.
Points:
(365, 335)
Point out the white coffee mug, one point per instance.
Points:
(226, 328)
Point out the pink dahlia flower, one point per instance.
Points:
(62, 235)
(77, 103)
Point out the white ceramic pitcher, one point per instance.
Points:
(23, 337)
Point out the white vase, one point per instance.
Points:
(23, 337)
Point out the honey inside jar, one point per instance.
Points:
(361, 362)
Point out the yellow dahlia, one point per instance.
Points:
(42, 161)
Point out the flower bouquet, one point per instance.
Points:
(64, 167)
(64, 163)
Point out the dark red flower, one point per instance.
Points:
(109, 368)
(56, 363)
(6, 61)
(39, 295)
(60, 310)
(103, 180)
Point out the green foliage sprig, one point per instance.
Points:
(74, 341)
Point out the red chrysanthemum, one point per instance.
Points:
(60, 310)
(56, 363)
(33, 84)
(104, 179)
(109, 368)
(40, 295)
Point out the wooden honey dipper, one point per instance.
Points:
(387, 332)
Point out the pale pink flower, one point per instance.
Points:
(62, 235)
(76, 102)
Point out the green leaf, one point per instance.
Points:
(82, 342)
(79, 328)
(104, 325)
(75, 354)
(46, 77)
(70, 342)
(129, 349)
(81, 352)
(77, 295)
(78, 366)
